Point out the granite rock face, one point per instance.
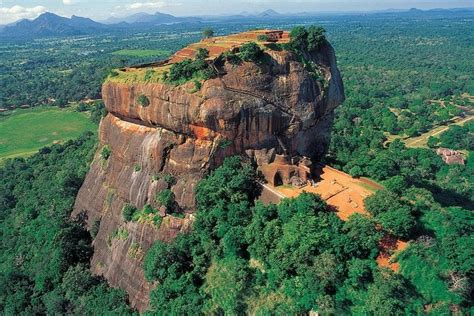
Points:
(256, 110)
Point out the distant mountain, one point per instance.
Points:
(415, 10)
(269, 13)
(50, 24)
(151, 19)
(245, 15)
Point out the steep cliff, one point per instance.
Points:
(252, 109)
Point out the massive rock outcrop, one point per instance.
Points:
(252, 109)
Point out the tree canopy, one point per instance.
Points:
(311, 38)
(290, 258)
(45, 254)
(208, 32)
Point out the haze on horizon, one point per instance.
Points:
(13, 10)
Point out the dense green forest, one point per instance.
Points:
(291, 258)
(45, 254)
(393, 73)
(299, 256)
(456, 137)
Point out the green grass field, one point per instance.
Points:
(369, 186)
(142, 52)
(23, 132)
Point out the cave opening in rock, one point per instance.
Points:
(277, 180)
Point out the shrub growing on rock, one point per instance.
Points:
(128, 211)
(197, 86)
(105, 152)
(113, 73)
(250, 52)
(95, 228)
(298, 38)
(149, 74)
(189, 69)
(143, 100)
(231, 57)
(148, 209)
(169, 179)
(166, 198)
(202, 53)
(316, 37)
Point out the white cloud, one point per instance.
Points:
(150, 5)
(146, 5)
(67, 2)
(17, 12)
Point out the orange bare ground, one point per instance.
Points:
(388, 250)
(384, 261)
(216, 50)
(218, 45)
(344, 193)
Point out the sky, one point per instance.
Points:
(13, 10)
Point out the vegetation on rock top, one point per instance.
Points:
(190, 69)
(307, 39)
(199, 69)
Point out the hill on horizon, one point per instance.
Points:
(147, 18)
(50, 24)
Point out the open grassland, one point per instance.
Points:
(142, 52)
(23, 132)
